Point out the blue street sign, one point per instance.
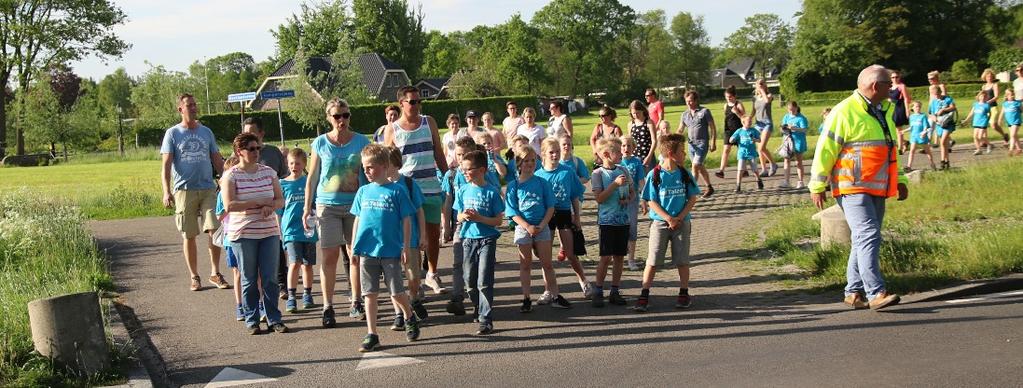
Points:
(278, 94)
(239, 97)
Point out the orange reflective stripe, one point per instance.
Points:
(865, 167)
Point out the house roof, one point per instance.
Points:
(436, 83)
(742, 66)
(717, 76)
(374, 69)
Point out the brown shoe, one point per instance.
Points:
(884, 299)
(856, 301)
(196, 284)
(219, 281)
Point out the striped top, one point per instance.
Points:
(252, 186)
(417, 158)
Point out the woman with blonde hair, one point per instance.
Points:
(991, 92)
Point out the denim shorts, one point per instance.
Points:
(301, 252)
(370, 270)
(697, 153)
(523, 238)
(763, 126)
(232, 260)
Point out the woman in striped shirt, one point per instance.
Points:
(252, 195)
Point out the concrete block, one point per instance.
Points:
(915, 176)
(69, 330)
(834, 228)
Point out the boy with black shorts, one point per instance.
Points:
(612, 187)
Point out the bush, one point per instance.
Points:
(963, 70)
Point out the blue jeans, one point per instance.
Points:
(864, 213)
(480, 257)
(258, 259)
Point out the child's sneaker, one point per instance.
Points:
(239, 313)
(760, 184)
(307, 301)
(278, 328)
(561, 303)
(784, 185)
(642, 304)
(412, 329)
(546, 298)
(291, 305)
(527, 305)
(253, 330)
(456, 307)
(633, 266)
(371, 342)
(587, 289)
(684, 301)
(616, 299)
(328, 318)
(485, 329)
(720, 174)
(357, 312)
(399, 322)
(598, 301)
(800, 185)
(420, 310)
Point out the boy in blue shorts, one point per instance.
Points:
(383, 229)
(299, 244)
(480, 210)
(612, 188)
(414, 266)
(670, 193)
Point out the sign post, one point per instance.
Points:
(279, 95)
(241, 98)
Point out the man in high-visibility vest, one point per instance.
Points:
(857, 156)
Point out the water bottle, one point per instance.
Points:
(311, 221)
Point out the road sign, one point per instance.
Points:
(240, 97)
(278, 94)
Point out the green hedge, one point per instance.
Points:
(958, 92)
(365, 118)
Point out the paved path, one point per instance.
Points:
(197, 336)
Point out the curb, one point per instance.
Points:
(986, 286)
(137, 375)
(150, 370)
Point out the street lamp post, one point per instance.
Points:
(120, 133)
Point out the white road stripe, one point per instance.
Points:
(1012, 293)
(373, 360)
(229, 377)
(954, 301)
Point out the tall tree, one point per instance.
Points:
(392, 29)
(230, 73)
(114, 91)
(312, 89)
(442, 57)
(66, 84)
(691, 48)
(37, 34)
(155, 96)
(766, 38)
(576, 34)
(316, 29)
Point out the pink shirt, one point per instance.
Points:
(656, 110)
(250, 223)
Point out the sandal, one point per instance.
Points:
(196, 283)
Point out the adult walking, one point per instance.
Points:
(856, 155)
(335, 174)
(252, 195)
(643, 130)
(703, 137)
(559, 124)
(762, 99)
(510, 125)
(654, 106)
(422, 155)
(901, 100)
(991, 93)
(272, 157)
(190, 155)
(1017, 84)
(734, 112)
(605, 129)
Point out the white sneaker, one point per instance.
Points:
(587, 289)
(988, 149)
(977, 152)
(800, 185)
(433, 281)
(546, 298)
(784, 185)
(633, 266)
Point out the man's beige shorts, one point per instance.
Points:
(190, 206)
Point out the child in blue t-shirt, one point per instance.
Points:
(571, 161)
(942, 108)
(480, 210)
(613, 189)
(232, 260)
(1011, 113)
(794, 126)
(530, 204)
(414, 266)
(918, 130)
(568, 192)
(382, 241)
(496, 166)
(452, 182)
(980, 113)
(670, 193)
(299, 244)
(747, 138)
(637, 171)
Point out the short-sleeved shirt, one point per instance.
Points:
(220, 210)
(698, 122)
(417, 198)
(1011, 112)
(512, 123)
(258, 185)
(578, 165)
(340, 169)
(451, 182)
(294, 206)
(449, 140)
(530, 199)
(636, 170)
(656, 110)
(272, 157)
(492, 176)
(672, 194)
(795, 121)
(191, 166)
(747, 139)
(535, 135)
(918, 123)
(937, 105)
(981, 114)
(565, 184)
(486, 200)
(381, 209)
(612, 211)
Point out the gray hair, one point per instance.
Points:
(872, 74)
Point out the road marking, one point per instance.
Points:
(373, 360)
(954, 301)
(230, 377)
(1011, 293)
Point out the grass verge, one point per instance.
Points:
(45, 250)
(959, 225)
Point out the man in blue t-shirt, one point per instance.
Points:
(191, 156)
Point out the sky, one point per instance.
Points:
(175, 34)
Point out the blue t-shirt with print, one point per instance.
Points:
(671, 194)
(575, 164)
(565, 183)
(918, 124)
(798, 136)
(486, 200)
(294, 205)
(981, 113)
(747, 139)
(939, 104)
(636, 170)
(191, 166)
(613, 211)
(340, 169)
(417, 198)
(1011, 112)
(513, 172)
(530, 199)
(492, 176)
(381, 210)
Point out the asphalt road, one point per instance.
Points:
(973, 343)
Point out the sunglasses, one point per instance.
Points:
(340, 116)
(252, 148)
(413, 102)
